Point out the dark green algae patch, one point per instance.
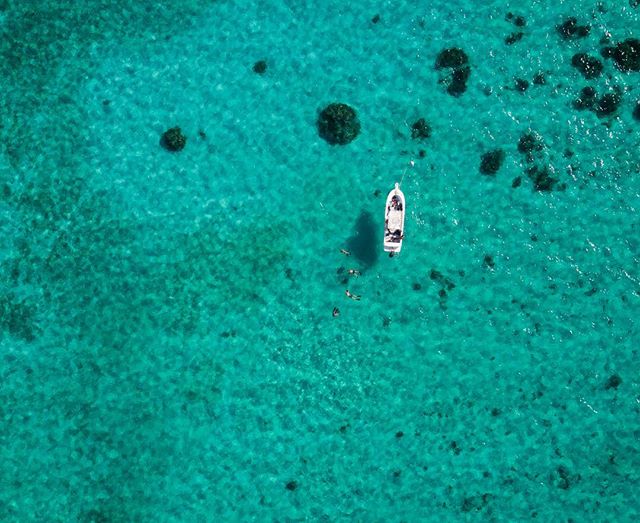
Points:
(104, 287)
(38, 39)
(76, 285)
(74, 251)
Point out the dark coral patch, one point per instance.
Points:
(608, 104)
(260, 67)
(518, 20)
(455, 59)
(475, 503)
(521, 85)
(542, 179)
(529, 143)
(589, 66)
(338, 124)
(570, 29)
(564, 481)
(613, 382)
(491, 162)
(458, 81)
(586, 100)
(636, 111)
(451, 57)
(442, 280)
(173, 140)
(420, 129)
(539, 79)
(513, 38)
(625, 54)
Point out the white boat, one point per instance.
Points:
(394, 220)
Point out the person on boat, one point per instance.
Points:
(352, 296)
(354, 272)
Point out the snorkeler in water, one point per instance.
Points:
(352, 296)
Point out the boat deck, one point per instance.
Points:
(394, 223)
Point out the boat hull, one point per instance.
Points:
(394, 220)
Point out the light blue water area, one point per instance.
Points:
(168, 349)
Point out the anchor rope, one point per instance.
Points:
(411, 164)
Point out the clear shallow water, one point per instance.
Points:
(168, 348)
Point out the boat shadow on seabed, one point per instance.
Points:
(363, 244)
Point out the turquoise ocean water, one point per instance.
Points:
(168, 351)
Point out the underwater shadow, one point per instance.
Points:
(364, 243)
